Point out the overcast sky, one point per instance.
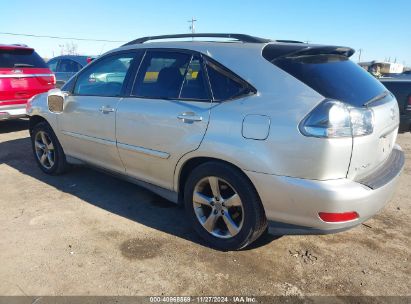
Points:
(382, 29)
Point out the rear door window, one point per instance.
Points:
(161, 75)
(20, 58)
(194, 85)
(333, 76)
(68, 66)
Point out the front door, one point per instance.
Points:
(165, 117)
(87, 124)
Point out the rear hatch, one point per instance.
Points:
(23, 73)
(329, 71)
(371, 151)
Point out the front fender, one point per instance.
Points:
(37, 106)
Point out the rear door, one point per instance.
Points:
(87, 124)
(23, 73)
(165, 117)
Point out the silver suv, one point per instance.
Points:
(247, 133)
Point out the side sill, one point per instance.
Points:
(169, 195)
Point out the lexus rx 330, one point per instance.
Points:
(247, 133)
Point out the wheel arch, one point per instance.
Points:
(190, 164)
(34, 120)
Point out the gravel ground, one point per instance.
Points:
(87, 233)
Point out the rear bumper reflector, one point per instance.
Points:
(338, 217)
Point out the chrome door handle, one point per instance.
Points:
(189, 117)
(107, 109)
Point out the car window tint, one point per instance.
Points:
(194, 85)
(52, 65)
(21, 58)
(224, 85)
(161, 75)
(105, 77)
(333, 76)
(68, 66)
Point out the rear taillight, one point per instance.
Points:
(338, 217)
(89, 59)
(47, 79)
(333, 118)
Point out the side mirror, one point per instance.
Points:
(55, 100)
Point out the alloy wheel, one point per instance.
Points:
(218, 207)
(44, 149)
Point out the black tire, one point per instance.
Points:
(60, 164)
(254, 220)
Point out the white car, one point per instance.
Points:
(246, 133)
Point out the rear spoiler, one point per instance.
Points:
(15, 47)
(324, 50)
(274, 51)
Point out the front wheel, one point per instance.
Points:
(223, 206)
(47, 150)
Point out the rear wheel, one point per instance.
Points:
(223, 206)
(47, 150)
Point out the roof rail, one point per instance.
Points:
(289, 41)
(20, 44)
(239, 37)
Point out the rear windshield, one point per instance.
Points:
(21, 58)
(333, 76)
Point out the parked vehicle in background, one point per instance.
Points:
(23, 73)
(381, 68)
(64, 67)
(245, 134)
(403, 75)
(401, 88)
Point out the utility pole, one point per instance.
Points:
(359, 54)
(192, 27)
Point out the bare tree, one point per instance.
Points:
(71, 48)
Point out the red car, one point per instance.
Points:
(23, 74)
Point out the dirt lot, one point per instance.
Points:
(86, 233)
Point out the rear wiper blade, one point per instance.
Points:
(21, 65)
(376, 98)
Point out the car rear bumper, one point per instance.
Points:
(12, 111)
(292, 205)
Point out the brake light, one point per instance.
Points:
(89, 59)
(338, 217)
(47, 79)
